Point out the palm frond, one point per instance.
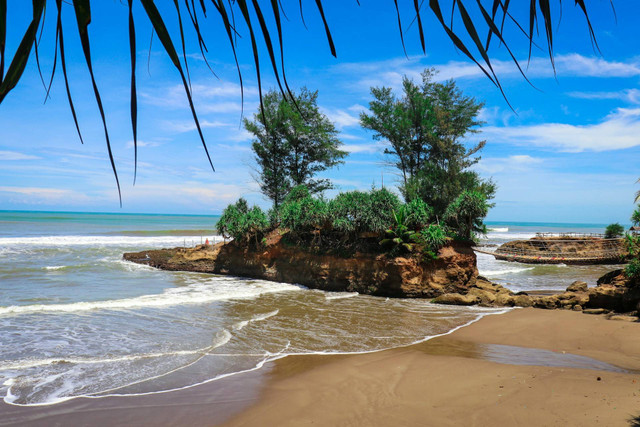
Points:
(256, 19)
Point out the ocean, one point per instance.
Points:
(77, 320)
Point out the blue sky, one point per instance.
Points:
(568, 152)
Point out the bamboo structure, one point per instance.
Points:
(583, 250)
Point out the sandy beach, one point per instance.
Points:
(527, 367)
(451, 380)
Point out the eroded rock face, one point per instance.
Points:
(453, 272)
(615, 292)
(451, 279)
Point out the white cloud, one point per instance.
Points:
(14, 155)
(342, 119)
(141, 144)
(627, 95)
(36, 195)
(389, 73)
(361, 148)
(514, 163)
(190, 125)
(619, 130)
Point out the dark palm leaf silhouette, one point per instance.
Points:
(483, 22)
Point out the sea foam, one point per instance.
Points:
(217, 289)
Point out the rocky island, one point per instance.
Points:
(451, 278)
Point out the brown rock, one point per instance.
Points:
(577, 286)
(504, 299)
(547, 302)
(522, 301)
(624, 318)
(595, 311)
(577, 307)
(485, 297)
(457, 299)
(453, 272)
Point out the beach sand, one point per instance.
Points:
(517, 368)
(450, 381)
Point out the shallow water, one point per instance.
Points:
(77, 320)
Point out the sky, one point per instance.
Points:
(566, 150)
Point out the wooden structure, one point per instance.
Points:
(576, 250)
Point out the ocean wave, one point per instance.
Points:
(341, 295)
(55, 267)
(499, 229)
(84, 240)
(505, 271)
(217, 289)
(507, 236)
(257, 318)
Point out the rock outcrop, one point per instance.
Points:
(450, 279)
(454, 271)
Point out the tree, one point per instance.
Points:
(635, 216)
(613, 231)
(425, 129)
(466, 213)
(294, 142)
(270, 150)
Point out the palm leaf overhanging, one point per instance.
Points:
(483, 27)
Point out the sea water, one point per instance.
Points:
(77, 320)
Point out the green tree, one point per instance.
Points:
(635, 216)
(613, 231)
(270, 149)
(294, 142)
(425, 128)
(466, 213)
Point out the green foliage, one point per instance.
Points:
(294, 142)
(305, 214)
(632, 270)
(359, 212)
(399, 237)
(426, 129)
(418, 214)
(635, 217)
(465, 214)
(297, 193)
(434, 237)
(240, 222)
(613, 231)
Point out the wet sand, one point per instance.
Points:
(464, 378)
(528, 367)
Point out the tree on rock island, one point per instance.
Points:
(293, 142)
(426, 129)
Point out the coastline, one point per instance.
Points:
(467, 377)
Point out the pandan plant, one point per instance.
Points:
(399, 237)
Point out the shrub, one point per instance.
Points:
(466, 213)
(304, 215)
(632, 270)
(434, 237)
(417, 214)
(358, 212)
(240, 222)
(613, 231)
